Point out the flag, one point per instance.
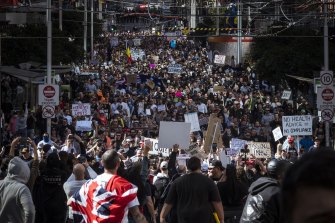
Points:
(103, 200)
(128, 53)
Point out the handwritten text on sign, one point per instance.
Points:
(81, 109)
(260, 149)
(297, 125)
(155, 150)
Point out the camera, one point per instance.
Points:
(245, 150)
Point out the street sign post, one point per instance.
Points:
(48, 94)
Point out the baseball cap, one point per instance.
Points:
(164, 165)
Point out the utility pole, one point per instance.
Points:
(326, 58)
(217, 18)
(92, 16)
(239, 31)
(49, 54)
(85, 27)
(60, 13)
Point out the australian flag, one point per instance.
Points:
(103, 200)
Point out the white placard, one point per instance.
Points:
(84, 126)
(81, 109)
(277, 134)
(148, 111)
(225, 160)
(326, 97)
(297, 125)
(193, 149)
(114, 41)
(137, 54)
(48, 94)
(286, 95)
(260, 149)
(219, 59)
(161, 108)
(193, 119)
(171, 133)
(175, 68)
(235, 146)
(155, 150)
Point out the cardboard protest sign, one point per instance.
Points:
(193, 149)
(260, 149)
(297, 125)
(171, 133)
(161, 108)
(235, 146)
(137, 54)
(193, 119)
(81, 109)
(277, 134)
(175, 68)
(218, 88)
(131, 79)
(114, 41)
(137, 42)
(213, 123)
(182, 159)
(84, 126)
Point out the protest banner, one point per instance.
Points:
(225, 160)
(260, 149)
(214, 126)
(286, 95)
(155, 150)
(137, 42)
(193, 119)
(277, 134)
(218, 88)
(131, 79)
(81, 109)
(137, 54)
(171, 133)
(161, 108)
(193, 149)
(175, 68)
(83, 126)
(235, 146)
(182, 159)
(220, 59)
(297, 125)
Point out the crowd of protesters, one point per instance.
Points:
(129, 95)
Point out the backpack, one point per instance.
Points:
(160, 185)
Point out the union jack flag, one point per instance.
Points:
(103, 200)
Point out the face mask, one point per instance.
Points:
(45, 138)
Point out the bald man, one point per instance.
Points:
(71, 186)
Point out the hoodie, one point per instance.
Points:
(263, 203)
(16, 204)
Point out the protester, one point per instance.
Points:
(194, 195)
(16, 204)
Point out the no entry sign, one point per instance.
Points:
(327, 94)
(48, 94)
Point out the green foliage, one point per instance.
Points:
(296, 52)
(29, 42)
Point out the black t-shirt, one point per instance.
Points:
(192, 195)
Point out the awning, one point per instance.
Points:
(309, 80)
(25, 75)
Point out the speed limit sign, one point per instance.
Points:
(326, 77)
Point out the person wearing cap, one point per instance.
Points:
(263, 202)
(316, 145)
(216, 171)
(292, 152)
(164, 171)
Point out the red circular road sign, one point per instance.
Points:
(327, 94)
(49, 91)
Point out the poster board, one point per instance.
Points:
(277, 134)
(218, 88)
(260, 149)
(193, 119)
(220, 59)
(213, 120)
(286, 95)
(235, 146)
(81, 109)
(84, 126)
(171, 133)
(297, 125)
(155, 150)
(175, 68)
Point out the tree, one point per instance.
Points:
(296, 51)
(28, 42)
